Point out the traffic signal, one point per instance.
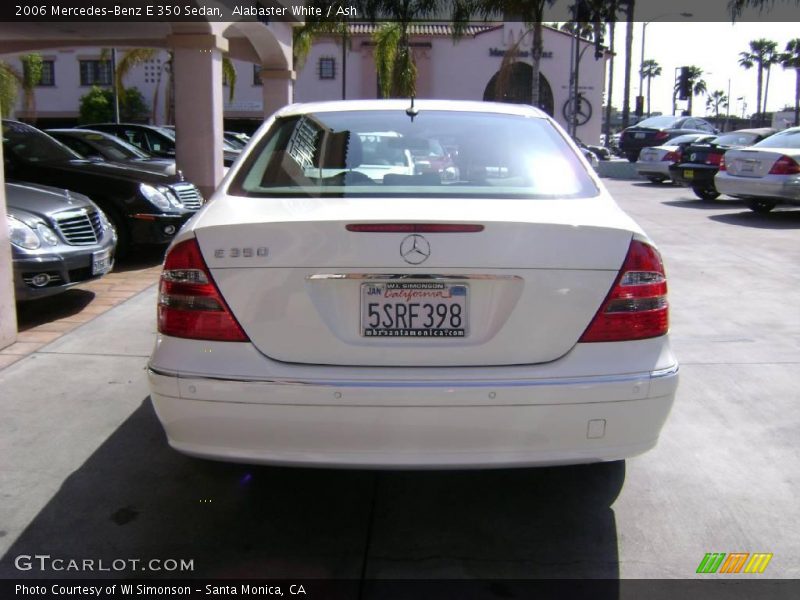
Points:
(684, 84)
(639, 106)
(599, 29)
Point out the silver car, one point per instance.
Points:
(654, 161)
(765, 174)
(58, 239)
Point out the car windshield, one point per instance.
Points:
(386, 153)
(658, 122)
(736, 138)
(789, 138)
(31, 145)
(113, 148)
(167, 132)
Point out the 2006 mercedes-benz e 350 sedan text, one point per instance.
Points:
(313, 314)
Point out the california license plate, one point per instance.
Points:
(101, 262)
(421, 309)
(688, 174)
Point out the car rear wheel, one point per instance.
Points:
(761, 207)
(632, 156)
(705, 193)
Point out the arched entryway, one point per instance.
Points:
(517, 88)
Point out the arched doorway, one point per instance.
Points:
(518, 88)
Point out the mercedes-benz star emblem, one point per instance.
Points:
(415, 249)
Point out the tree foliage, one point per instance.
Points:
(97, 105)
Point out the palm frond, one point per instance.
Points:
(229, 75)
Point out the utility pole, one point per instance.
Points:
(114, 84)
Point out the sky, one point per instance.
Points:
(715, 48)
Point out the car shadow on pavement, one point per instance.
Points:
(45, 310)
(136, 498)
(724, 204)
(140, 257)
(778, 219)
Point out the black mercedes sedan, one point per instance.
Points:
(656, 131)
(144, 207)
(155, 140)
(700, 161)
(58, 239)
(97, 145)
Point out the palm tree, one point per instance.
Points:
(696, 84)
(136, 56)
(761, 52)
(772, 57)
(715, 100)
(791, 60)
(626, 97)
(531, 12)
(394, 58)
(12, 81)
(648, 70)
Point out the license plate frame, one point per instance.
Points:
(419, 312)
(101, 262)
(638, 136)
(688, 174)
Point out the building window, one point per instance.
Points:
(48, 78)
(256, 76)
(95, 72)
(327, 67)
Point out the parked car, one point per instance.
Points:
(157, 141)
(654, 161)
(601, 152)
(231, 145)
(97, 145)
(145, 207)
(236, 139)
(590, 156)
(765, 174)
(58, 239)
(700, 160)
(656, 131)
(514, 315)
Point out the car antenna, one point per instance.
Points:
(412, 111)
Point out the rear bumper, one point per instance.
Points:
(656, 168)
(414, 423)
(779, 188)
(702, 175)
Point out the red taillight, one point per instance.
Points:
(660, 135)
(413, 228)
(785, 165)
(636, 307)
(189, 303)
(672, 156)
(714, 159)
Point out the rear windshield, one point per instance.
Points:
(658, 122)
(783, 139)
(435, 154)
(736, 138)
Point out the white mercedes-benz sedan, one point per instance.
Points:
(765, 174)
(513, 315)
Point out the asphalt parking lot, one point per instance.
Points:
(87, 473)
